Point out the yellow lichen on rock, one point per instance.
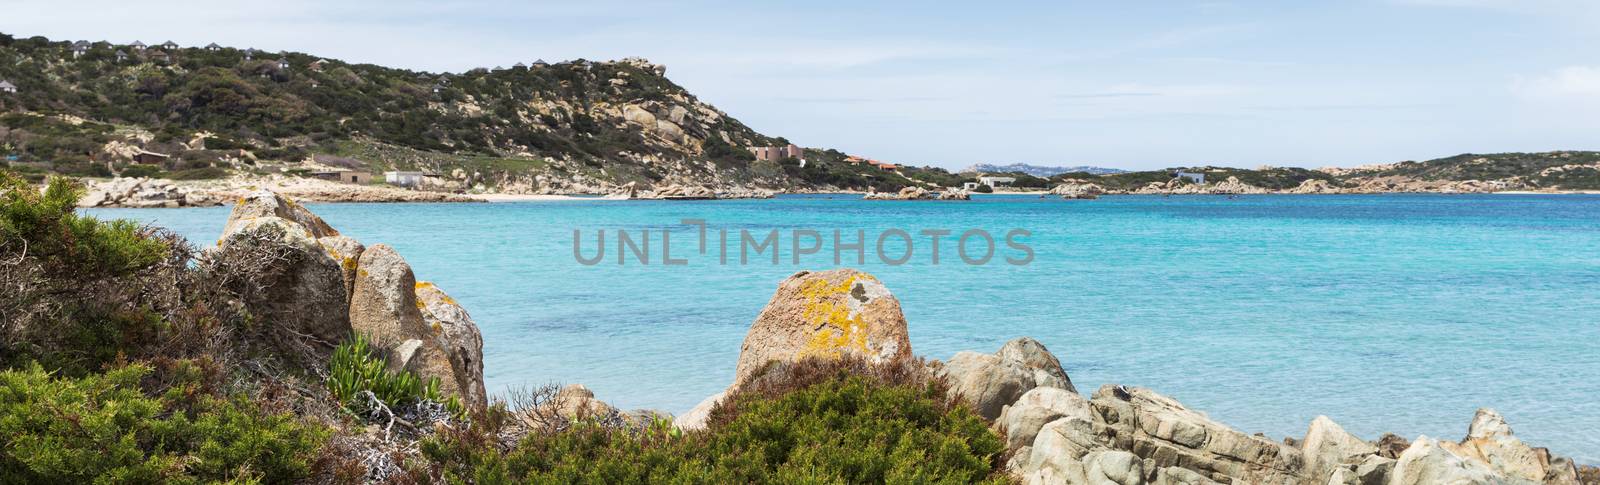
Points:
(837, 327)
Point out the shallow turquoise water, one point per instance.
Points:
(1398, 313)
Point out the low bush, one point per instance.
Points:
(107, 428)
(813, 422)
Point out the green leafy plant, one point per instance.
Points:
(356, 369)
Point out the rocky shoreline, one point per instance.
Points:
(1054, 434)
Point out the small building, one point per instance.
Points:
(888, 167)
(138, 46)
(346, 176)
(403, 178)
(1198, 178)
(121, 56)
(997, 182)
(854, 160)
(7, 87)
(283, 63)
(438, 88)
(158, 56)
(319, 64)
(775, 153)
(213, 47)
(250, 54)
(169, 45)
(150, 158)
(969, 186)
(79, 48)
(520, 67)
(540, 63)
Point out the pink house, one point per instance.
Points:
(774, 153)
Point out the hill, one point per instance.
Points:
(86, 108)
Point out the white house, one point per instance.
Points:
(402, 178)
(1198, 178)
(997, 182)
(7, 87)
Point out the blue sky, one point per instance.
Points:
(1122, 84)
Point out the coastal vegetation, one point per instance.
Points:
(813, 421)
(127, 356)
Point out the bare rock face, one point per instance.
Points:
(1058, 451)
(1327, 446)
(907, 193)
(461, 340)
(992, 381)
(1022, 420)
(1163, 432)
(1428, 461)
(387, 308)
(1490, 440)
(347, 252)
(294, 282)
(829, 314)
(265, 203)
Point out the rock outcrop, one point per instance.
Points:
(294, 283)
(827, 314)
(907, 193)
(1167, 434)
(388, 306)
(992, 381)
(1078, 189)
(681, 192)
(144, 193)
(322, 286)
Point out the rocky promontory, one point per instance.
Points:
(1120, 434)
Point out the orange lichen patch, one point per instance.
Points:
(837, 328)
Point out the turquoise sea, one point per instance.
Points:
(1398, 313)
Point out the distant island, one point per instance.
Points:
(1038, 171)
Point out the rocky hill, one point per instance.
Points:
(87, 108)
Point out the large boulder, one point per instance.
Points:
(385, 307)
(460, 338)
(1490, 441)
(265, 203)
(1163, 432)
(1327, 446)
(1022, 420)
(991, 381)
(828, 314)
(286, 277)
(1057, 453)
(1430, 462)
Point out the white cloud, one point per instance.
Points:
(1566, 82)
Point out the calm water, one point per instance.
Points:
(1398, 313)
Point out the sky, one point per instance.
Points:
(1133, 85)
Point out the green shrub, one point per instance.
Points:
(75, 296)
(71, 244)
(812, 423)
(355, 368)
(107, 429)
